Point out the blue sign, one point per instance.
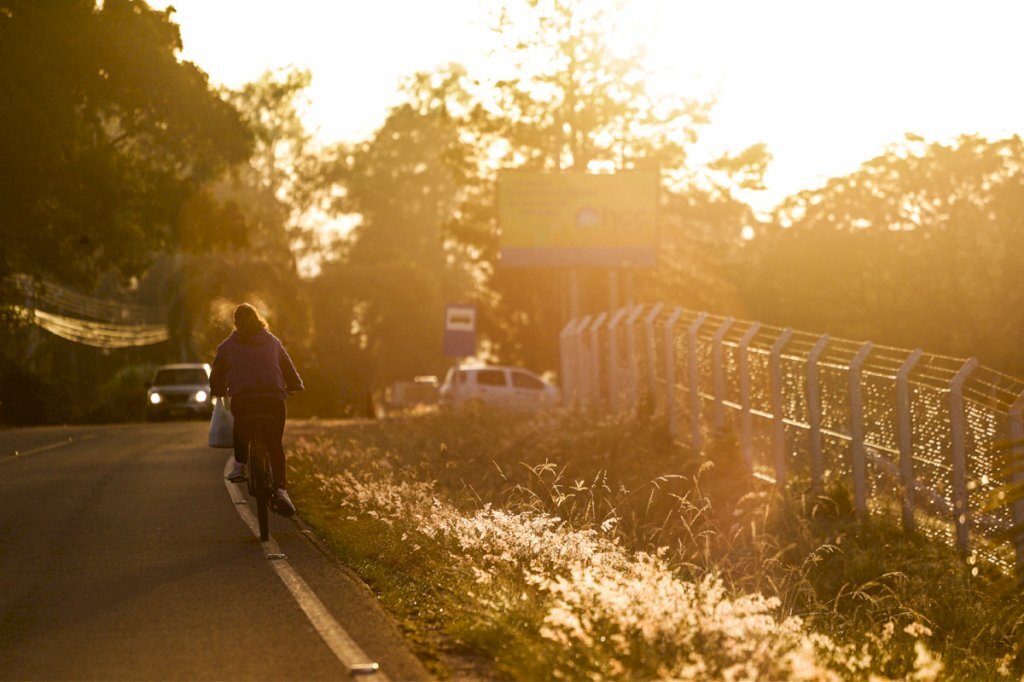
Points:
(459, 330)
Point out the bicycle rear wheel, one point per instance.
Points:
(259, 464)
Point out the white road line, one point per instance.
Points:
(334, 636)
(14, 454)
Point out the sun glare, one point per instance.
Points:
(828, 85)
(825, 85)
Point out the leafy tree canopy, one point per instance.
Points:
(918, 247)
(571, 99)
(105, 134)
(256, 209)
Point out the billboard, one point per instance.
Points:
(578, 219)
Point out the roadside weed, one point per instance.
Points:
(559, 548)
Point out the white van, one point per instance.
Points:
(500, 386)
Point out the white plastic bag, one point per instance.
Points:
(222, 425)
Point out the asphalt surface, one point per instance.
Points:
(123, 557)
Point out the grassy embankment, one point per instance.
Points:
(559, 547)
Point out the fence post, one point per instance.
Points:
(1017, 478)
(583, 365)
(565, 346)
(595, 359)
(634, 398)
(670, 371)
(961, 510)
(746, 440)
(814, 412)
(718, 371)
(694, 372)
(857, 454)
(652, 362)
(613, 359)
(778, 426)
(582, 361)
(905, 433)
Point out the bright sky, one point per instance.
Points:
(826, 84)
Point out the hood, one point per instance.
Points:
(260, 338)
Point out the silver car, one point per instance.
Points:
(179, 390)
(500, 386)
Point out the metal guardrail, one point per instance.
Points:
(921, 435)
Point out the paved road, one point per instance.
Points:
(122, 556)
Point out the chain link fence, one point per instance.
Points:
(926, 437)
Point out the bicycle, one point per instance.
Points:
(260, 478)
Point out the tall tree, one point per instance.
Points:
(105, 134)
(915, 248)
(397, 267)
(286, 163)
(259, 205)
(572, 99)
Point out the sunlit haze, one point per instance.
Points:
(595, 339)
(825, 85)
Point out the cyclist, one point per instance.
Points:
(254, 369)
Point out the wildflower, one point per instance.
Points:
(916, 629)
(927, 665)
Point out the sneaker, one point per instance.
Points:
(281, 503)
(238, 474)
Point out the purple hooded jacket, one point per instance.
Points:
(254, 365)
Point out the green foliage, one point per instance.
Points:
(62, 383)
(916, 248)
(26, 398)
(120, 160)
(747, 167)
(381, 298)
(572, 99)
(105, 133)
(1010, 470)
(254, 207)
(122, 397)
(271, 106)
(253, 211)
(374, 324)
(403, 183)
(382, 560)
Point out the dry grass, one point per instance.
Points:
(557, 547)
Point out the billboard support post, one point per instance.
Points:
(628, 286)
(613, 289)
(574, 294)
